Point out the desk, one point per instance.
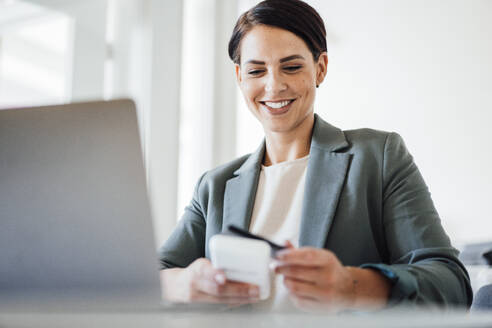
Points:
(201, 319)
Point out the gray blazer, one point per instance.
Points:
(365, 200)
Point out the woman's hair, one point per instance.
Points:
(292, 15)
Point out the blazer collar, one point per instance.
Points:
(254, 160)
(325, 137)
(325, 177)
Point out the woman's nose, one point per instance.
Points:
(274, 83)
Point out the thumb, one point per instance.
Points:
(205, 269)
(288, 244)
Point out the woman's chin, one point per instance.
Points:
(277, 125)
(286, 123)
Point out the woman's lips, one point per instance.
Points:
(275, 110)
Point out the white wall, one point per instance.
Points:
(208, 115)
(34, 69)
(162, 128)
(141, 39)
(422, 69)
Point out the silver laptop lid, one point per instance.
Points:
(74, 212)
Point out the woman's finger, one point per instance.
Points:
(307, 290)
(205, 270)
(288, 244)
(302, 273)
(308, 256)
(307, 304)
(228, 289)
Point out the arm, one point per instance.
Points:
(186, 275)
(316, 280)
(187, 241)
(422, 265)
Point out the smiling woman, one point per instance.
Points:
(357, 219)
(278, 76)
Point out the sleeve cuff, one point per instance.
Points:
(404, 285)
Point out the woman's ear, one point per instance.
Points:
(321, 68)
(238, 73)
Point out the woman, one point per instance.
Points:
(362, 228)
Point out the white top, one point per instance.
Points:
(277, 216)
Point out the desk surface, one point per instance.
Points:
(87, 311)
(202, 319)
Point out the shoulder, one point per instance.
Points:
(383, 151)
(329, 137)
(363, 140)
(371, 147)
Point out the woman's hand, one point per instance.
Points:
(316, 280)
(200, 282)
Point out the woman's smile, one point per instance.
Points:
(277, 107)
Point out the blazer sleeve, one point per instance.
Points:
(187, 241)
(422, 265)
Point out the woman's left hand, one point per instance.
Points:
(317, 280)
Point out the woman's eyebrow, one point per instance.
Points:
(254, 61)
(282, 60)
(285, 59)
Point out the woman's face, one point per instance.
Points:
(278, 77)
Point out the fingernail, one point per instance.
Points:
(253, 292)
(220, 278)
(275, 264)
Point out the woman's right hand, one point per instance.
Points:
(202, 283)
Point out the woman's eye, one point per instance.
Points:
(292, 68)
(255, 72)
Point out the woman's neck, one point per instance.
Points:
(287, 146)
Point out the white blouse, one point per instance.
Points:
(277, 216)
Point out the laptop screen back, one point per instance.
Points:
(74, 212)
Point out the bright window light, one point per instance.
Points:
(35, 55)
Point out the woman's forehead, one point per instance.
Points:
(267, 43)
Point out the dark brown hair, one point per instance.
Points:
(292, 15)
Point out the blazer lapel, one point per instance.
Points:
(325, 178)
(324, 182)
(240, 192)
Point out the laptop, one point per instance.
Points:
(75, 221)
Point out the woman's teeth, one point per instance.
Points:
(277, 104)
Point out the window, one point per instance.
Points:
(35, 55)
